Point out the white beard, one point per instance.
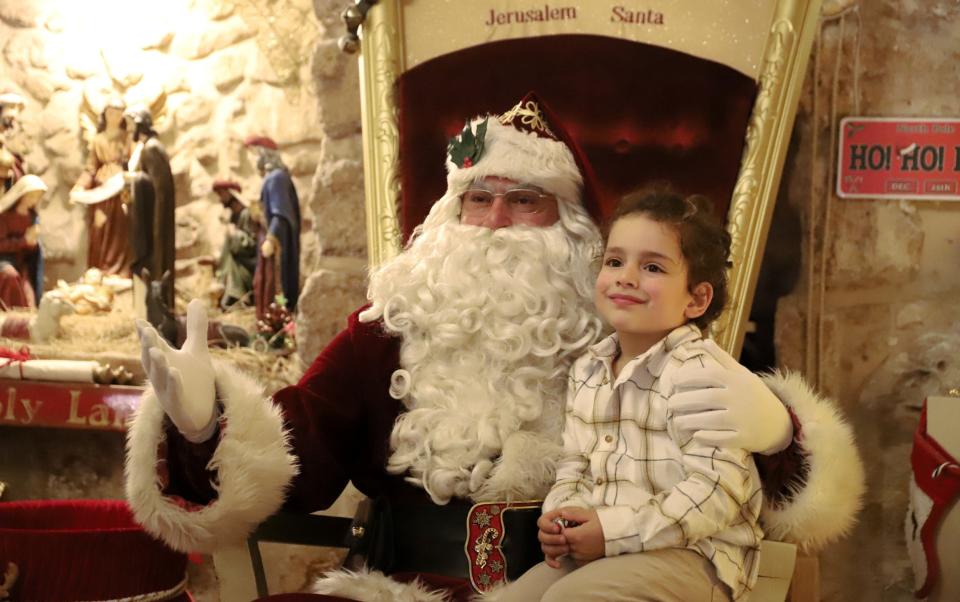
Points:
(491, 321)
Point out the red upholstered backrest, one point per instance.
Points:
(641, 113)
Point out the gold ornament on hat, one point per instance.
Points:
(530, 116)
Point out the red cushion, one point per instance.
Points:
(83, 550)
(641, 113)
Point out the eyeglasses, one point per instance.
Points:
(477, 202)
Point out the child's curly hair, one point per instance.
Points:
(704, 242)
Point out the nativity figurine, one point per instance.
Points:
(21, 256)
(278, 261)
(101, 188)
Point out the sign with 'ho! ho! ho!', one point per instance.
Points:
(891, 158)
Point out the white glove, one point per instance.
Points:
(174, 372)
(731, 407)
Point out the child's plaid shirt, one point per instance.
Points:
(654, 487)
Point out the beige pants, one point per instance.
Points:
(672, 575)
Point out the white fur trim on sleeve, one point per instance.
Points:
(825, 506)
(375, 586)
(253, 463)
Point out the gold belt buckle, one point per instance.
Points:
(485, 532)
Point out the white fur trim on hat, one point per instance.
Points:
(824, 507)
(253, 463)
(521, 156)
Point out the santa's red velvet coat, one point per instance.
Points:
(299, 452)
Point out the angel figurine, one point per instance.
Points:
(101, 189)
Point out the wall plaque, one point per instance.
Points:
(899, 158)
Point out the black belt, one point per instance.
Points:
(483, 543)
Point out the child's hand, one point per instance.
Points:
(552, 541)
(585, 540)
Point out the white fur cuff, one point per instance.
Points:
(253, 463)
(374, 586)
(825, 506)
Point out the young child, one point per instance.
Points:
(640, 510)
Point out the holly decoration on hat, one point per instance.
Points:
(466, 148)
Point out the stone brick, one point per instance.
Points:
(38, 85)
(36, 160)
(287, 121)
(303, 162)
(329, 295)
(912, 314)
(328, 11)
(228, 71)
(879, 244)
(200, 230)
(71, 464)
(81, 65)
(328, 61)
(62, 144)
(19, 13)
(123, 69)
(20, 46)
(338, 201)
(348, 147)
(62, 231)
(340, 104)
(196, 109)
(202, 41)
(38, 56)
(54, 23)
(158, 40)
(260, 70)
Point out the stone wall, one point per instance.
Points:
(875, 321)
(217, 71)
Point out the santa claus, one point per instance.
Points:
(442, 400)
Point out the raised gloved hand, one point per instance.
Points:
(731, 407)
(183, 379)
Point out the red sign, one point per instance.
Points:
(888, 158)
(66, 405)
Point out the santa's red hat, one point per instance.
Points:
(261, 141)
(528, 144)
(226, 185)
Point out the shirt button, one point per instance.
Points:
(604, 381)
(599, 480)
(608, 438)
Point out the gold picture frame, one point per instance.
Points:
(782, 47)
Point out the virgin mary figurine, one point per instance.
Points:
(21, 258)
